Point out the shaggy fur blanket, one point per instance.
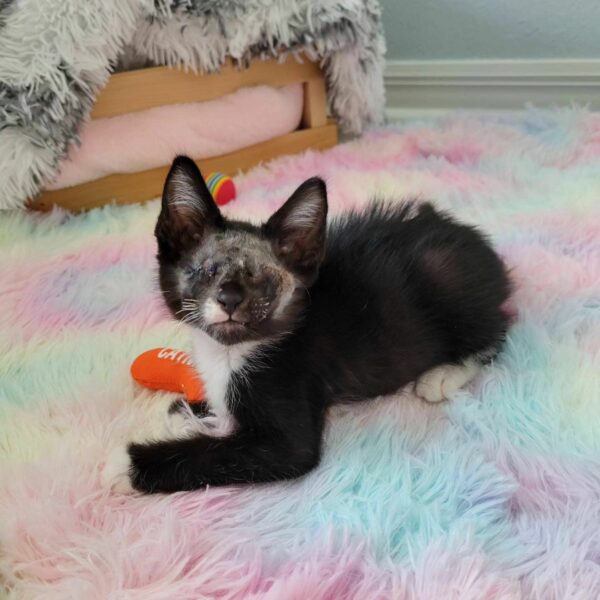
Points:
(494, 494)
(56, 55)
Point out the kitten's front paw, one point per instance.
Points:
(117, 470)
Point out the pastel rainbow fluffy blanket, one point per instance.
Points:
(495, 494)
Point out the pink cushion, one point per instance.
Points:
(151, 138)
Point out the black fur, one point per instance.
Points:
(392, 292)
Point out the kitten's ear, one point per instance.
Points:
(187, 209)
(297, 229)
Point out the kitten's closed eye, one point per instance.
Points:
(198, 270)
(191, 270)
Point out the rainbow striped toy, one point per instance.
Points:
(221, 187)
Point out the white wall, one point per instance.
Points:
(467, 29)
(491, 54)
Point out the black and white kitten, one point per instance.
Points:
(292, 316)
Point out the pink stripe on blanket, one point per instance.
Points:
(151, 138)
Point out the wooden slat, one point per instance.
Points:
(137, 90)
(145, 185)
(314, 112)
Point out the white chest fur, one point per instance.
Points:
(216, 363)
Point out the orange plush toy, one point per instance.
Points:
(168, 369)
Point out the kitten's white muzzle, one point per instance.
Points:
(213, 313)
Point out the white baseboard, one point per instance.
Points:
(433, 87)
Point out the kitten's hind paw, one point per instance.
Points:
(441, 382)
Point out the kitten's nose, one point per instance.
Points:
(230, 296)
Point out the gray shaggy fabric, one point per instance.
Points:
(55, 55)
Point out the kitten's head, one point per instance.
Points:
(236, 281)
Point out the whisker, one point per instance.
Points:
(190, 317)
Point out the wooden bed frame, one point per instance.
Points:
(133, 91)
